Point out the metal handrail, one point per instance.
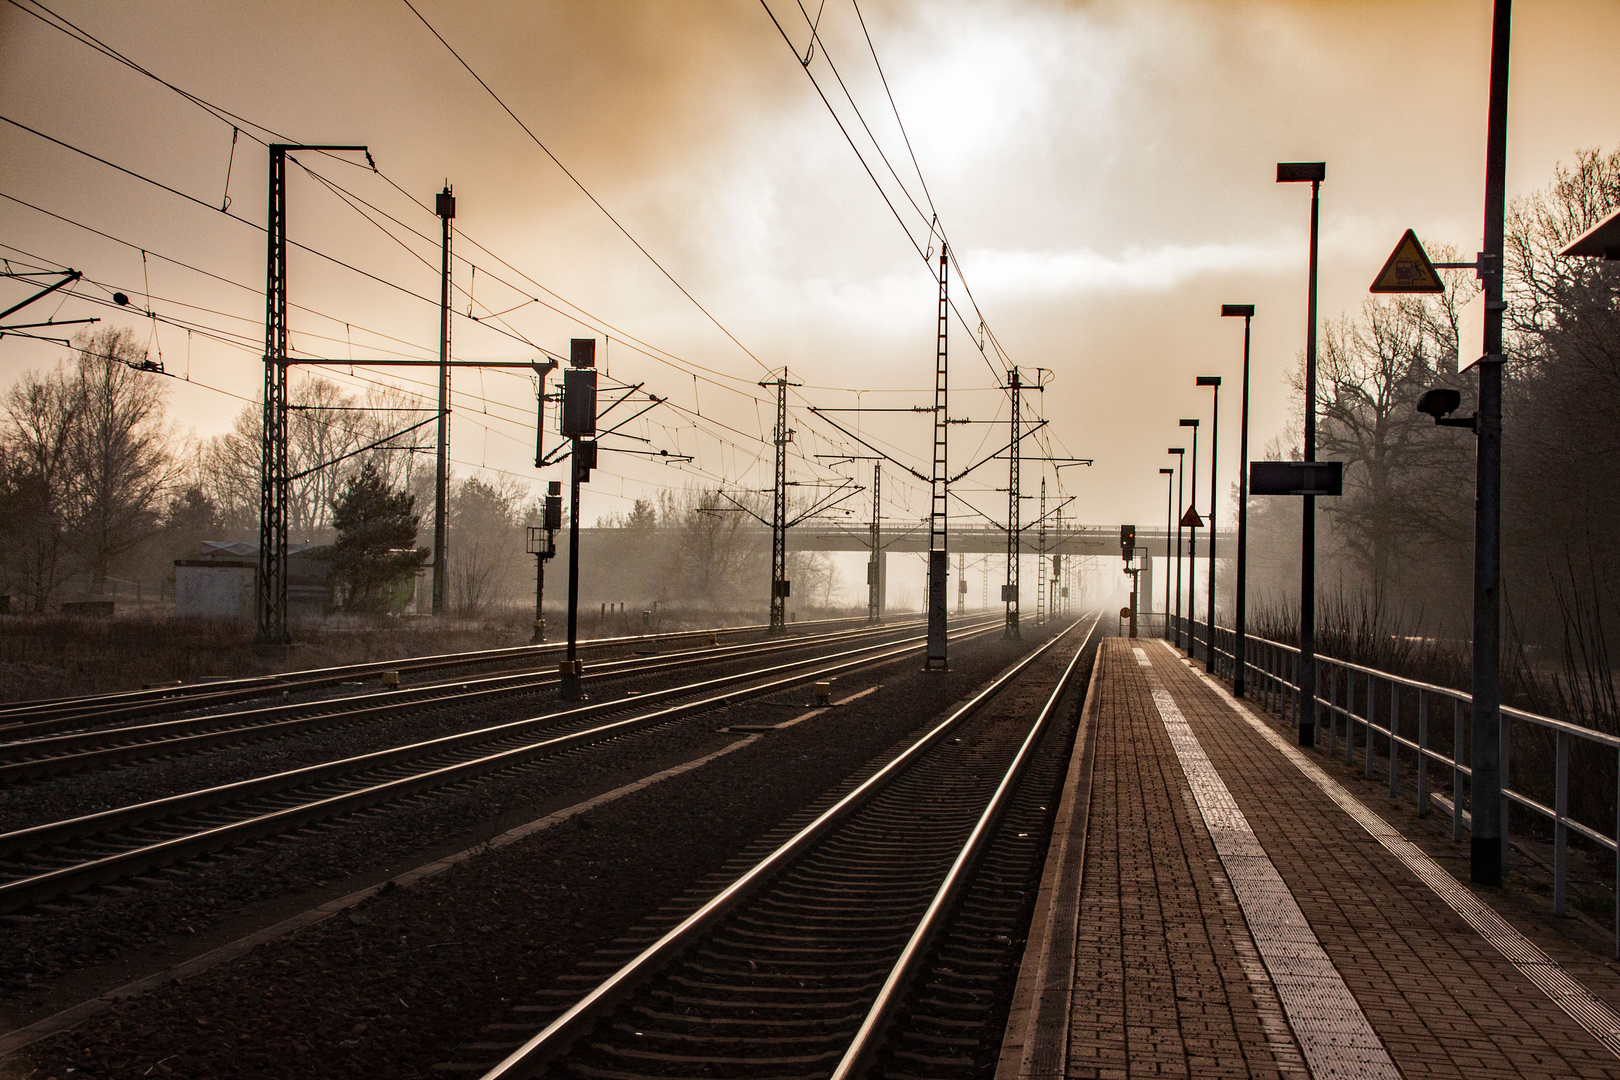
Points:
(1275, 684)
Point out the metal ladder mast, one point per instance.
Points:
(938, 565)
(1009, 592)
(272, 583)
(874, 583)
(781, 436)
(445, 206)
(1040, 560)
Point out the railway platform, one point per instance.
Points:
(1217, 902)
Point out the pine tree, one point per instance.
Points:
(376, 527)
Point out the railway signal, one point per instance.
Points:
(578, 422)
(543, 546)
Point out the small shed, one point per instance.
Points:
(221, 581)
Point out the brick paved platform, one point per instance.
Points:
(1218, 903)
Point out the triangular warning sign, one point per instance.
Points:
(1408, 270)
(1191, 519)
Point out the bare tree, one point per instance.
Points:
(485, 555)
(35, 439)
(118, 454)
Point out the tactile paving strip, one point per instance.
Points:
(1581, 1004)
(1333, 1033)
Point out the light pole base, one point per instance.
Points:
(1307, 734)
(572, 672)
(539, 637)
(1485, 860)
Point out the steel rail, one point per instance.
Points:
(193, 695)
(556, 1038)
(869, 1035)
(52, 755)
(55, 882)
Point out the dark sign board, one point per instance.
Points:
(1296, 478)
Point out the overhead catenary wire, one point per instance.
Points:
(240, 126)
(586, 191)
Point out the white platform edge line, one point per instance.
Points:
(1333, 1033)
(1579, 1003)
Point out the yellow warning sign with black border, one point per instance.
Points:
(1408, 270)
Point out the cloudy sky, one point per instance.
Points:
(1104, 171)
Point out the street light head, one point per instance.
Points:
(1439, 402)
(1189, 423)
(1167, 472)
(1244, 311)
(1176, 450)
(1209, 380)
(1294, 172)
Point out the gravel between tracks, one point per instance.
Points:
(55, 798)
(392, 986)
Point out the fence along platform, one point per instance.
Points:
(1391, 715)
(1217, 904)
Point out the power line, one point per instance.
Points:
(583, 188)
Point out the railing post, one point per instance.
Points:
(1423, 754)
(1333, 709)
(1560, 830)
(1504, 729)
(1299, 698)
(1372, 714)
(1456, 772)
(1617, 855)
(1394, 724)
(1349, 718)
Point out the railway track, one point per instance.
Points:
(25, 759)
(47, 861)
(18, 719)
(872, 941)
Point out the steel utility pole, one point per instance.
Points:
(1214, 382)
(445, 205)
(938, 558)
(781, 436)
(1486, 852)
(874, 578)
(273, 483)
(1009, 591)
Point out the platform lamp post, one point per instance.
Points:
(1214, 383)
(1240, 620)
(1191, 519)
(1169, 510)
(1298, 172)
(1181, 491)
